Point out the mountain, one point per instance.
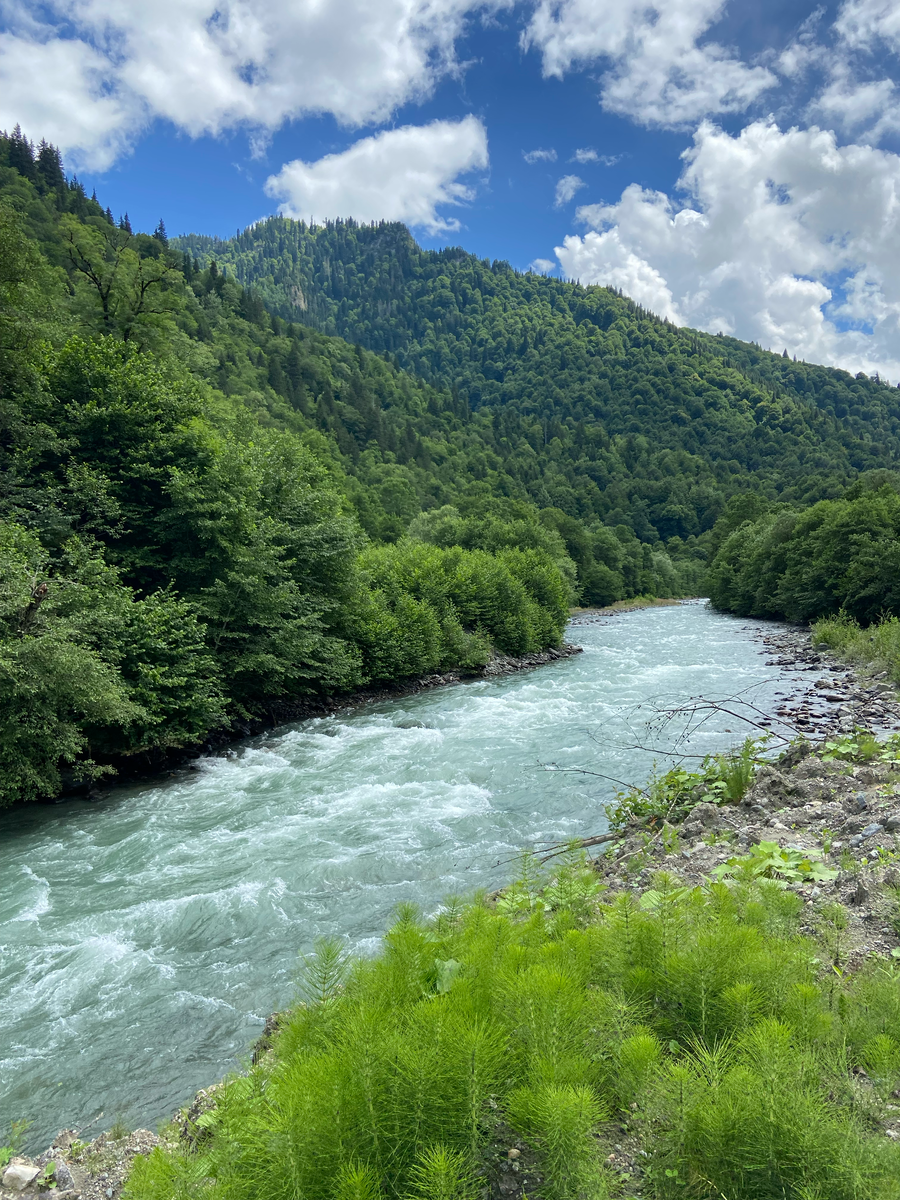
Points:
(596, 406)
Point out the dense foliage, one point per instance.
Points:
(836, 556)
(177, 555)
(696, 1022)
(592, 404)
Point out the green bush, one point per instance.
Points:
(837, 556)
(701, 1016)
(876, 648)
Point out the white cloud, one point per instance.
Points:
(591, 156)
(56, 90)
(566, 189)
(107, 67)
(659, 74)
(863, 23)
(778, 221)
(542, 266)
(399, 175)
(533, 156)
(869, 109)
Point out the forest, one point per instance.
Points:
(237, 474)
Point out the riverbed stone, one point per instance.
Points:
(707, 815)
(19, 1174)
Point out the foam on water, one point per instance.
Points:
(144, 937)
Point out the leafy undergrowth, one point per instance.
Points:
(695, 1023)
(875, 648)
(721, 779)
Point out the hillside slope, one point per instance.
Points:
(618, 415)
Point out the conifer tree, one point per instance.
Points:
(50, 169)
(21, 153)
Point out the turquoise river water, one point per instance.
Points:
(145, 936)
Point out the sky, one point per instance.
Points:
(733, 165)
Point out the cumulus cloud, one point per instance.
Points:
(399, 175)
(864, 23)
(658, 73)
(105, 68)
(57, 90)
(869, 109)
(789, 239)
(542, 266)
(566, 189)
(533, 156)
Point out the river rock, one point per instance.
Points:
(19, 1174)
(707, 815)
(811, 768)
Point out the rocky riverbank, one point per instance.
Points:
(71, 1169)
(839, 699)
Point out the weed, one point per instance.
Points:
(722, 779)
(848, 861)
(15, 1139)
(670, 839)
(784, 865)
(834, 920)
(118, 1130)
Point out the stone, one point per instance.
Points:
(707, 815)
(871, 830)
(892, 823)
(63, 1176)
(19, 1174)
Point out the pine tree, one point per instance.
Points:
(50, 169)
(160, 232)
(125, 224)
(21, 153)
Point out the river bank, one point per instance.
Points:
(843, 815)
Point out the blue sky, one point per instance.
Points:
(731, 165)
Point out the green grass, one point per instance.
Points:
(875, 648)
(699, 1017)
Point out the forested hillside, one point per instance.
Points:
(191, 533)
(598, 407)
(213, 505)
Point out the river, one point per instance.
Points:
(145, 936)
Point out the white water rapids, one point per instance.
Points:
(144, 937)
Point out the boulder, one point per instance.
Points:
(19, 1174)
(811, 768)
